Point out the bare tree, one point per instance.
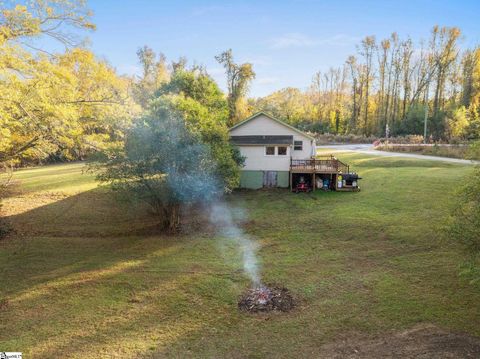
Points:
(354, 73)
(445, 52)
(407, 51)
(367, 49)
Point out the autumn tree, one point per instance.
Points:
(391, 83)
(62, 104)
(286, 104)
(34, 19)
(154, 73)
(239, 77)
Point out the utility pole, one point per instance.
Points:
(426, 115)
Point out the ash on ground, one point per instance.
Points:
(266, 299)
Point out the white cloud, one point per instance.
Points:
(301, 40)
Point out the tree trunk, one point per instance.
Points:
(354, 112)
(171, 217)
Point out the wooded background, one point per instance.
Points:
(68, 105)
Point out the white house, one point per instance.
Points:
(268, 146)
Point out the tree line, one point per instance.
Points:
(68, 105)
(393, 82)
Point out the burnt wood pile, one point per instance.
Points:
(266, 299)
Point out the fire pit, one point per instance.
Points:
(266, 299)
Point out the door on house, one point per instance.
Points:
(270, 179)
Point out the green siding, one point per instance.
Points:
(254, 179)
(283, 178)
(251, 179)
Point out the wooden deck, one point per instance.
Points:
(325, 167)
(328, 164)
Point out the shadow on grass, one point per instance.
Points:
(90, 271)
(83, 232)
(130, 304)
(98, 212)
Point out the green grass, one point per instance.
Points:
(86, 275)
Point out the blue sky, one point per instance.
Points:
(287, 41)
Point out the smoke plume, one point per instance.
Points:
(221, 217)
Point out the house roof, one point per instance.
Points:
(262, 140)
(272, 118)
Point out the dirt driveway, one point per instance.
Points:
(423, 341)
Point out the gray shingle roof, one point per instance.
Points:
(262, 140)
(272, 118)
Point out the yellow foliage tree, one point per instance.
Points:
(55, 104)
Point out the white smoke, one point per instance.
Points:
(222, 218)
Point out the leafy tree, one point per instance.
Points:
(458, 123)
(179, 153)
(23, 22)
(466, 224)
(195, 97)
(164, 164)
(238, 80)
(197, 85)
(67, 105)
(154, 74)
(55, 104)
(286, 104)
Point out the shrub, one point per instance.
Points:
(165, 165)
(473, 152)
(466, 224)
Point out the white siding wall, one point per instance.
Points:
(306, 152)
(256, 159)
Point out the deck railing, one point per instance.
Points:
(320, 165)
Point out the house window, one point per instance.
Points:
(298, 145)
(282, 150)
(270, 150)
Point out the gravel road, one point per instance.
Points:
(369, 150)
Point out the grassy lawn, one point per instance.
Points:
(85, 275)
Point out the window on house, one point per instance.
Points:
(282, 150)
(270, 151)
(298, 145)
